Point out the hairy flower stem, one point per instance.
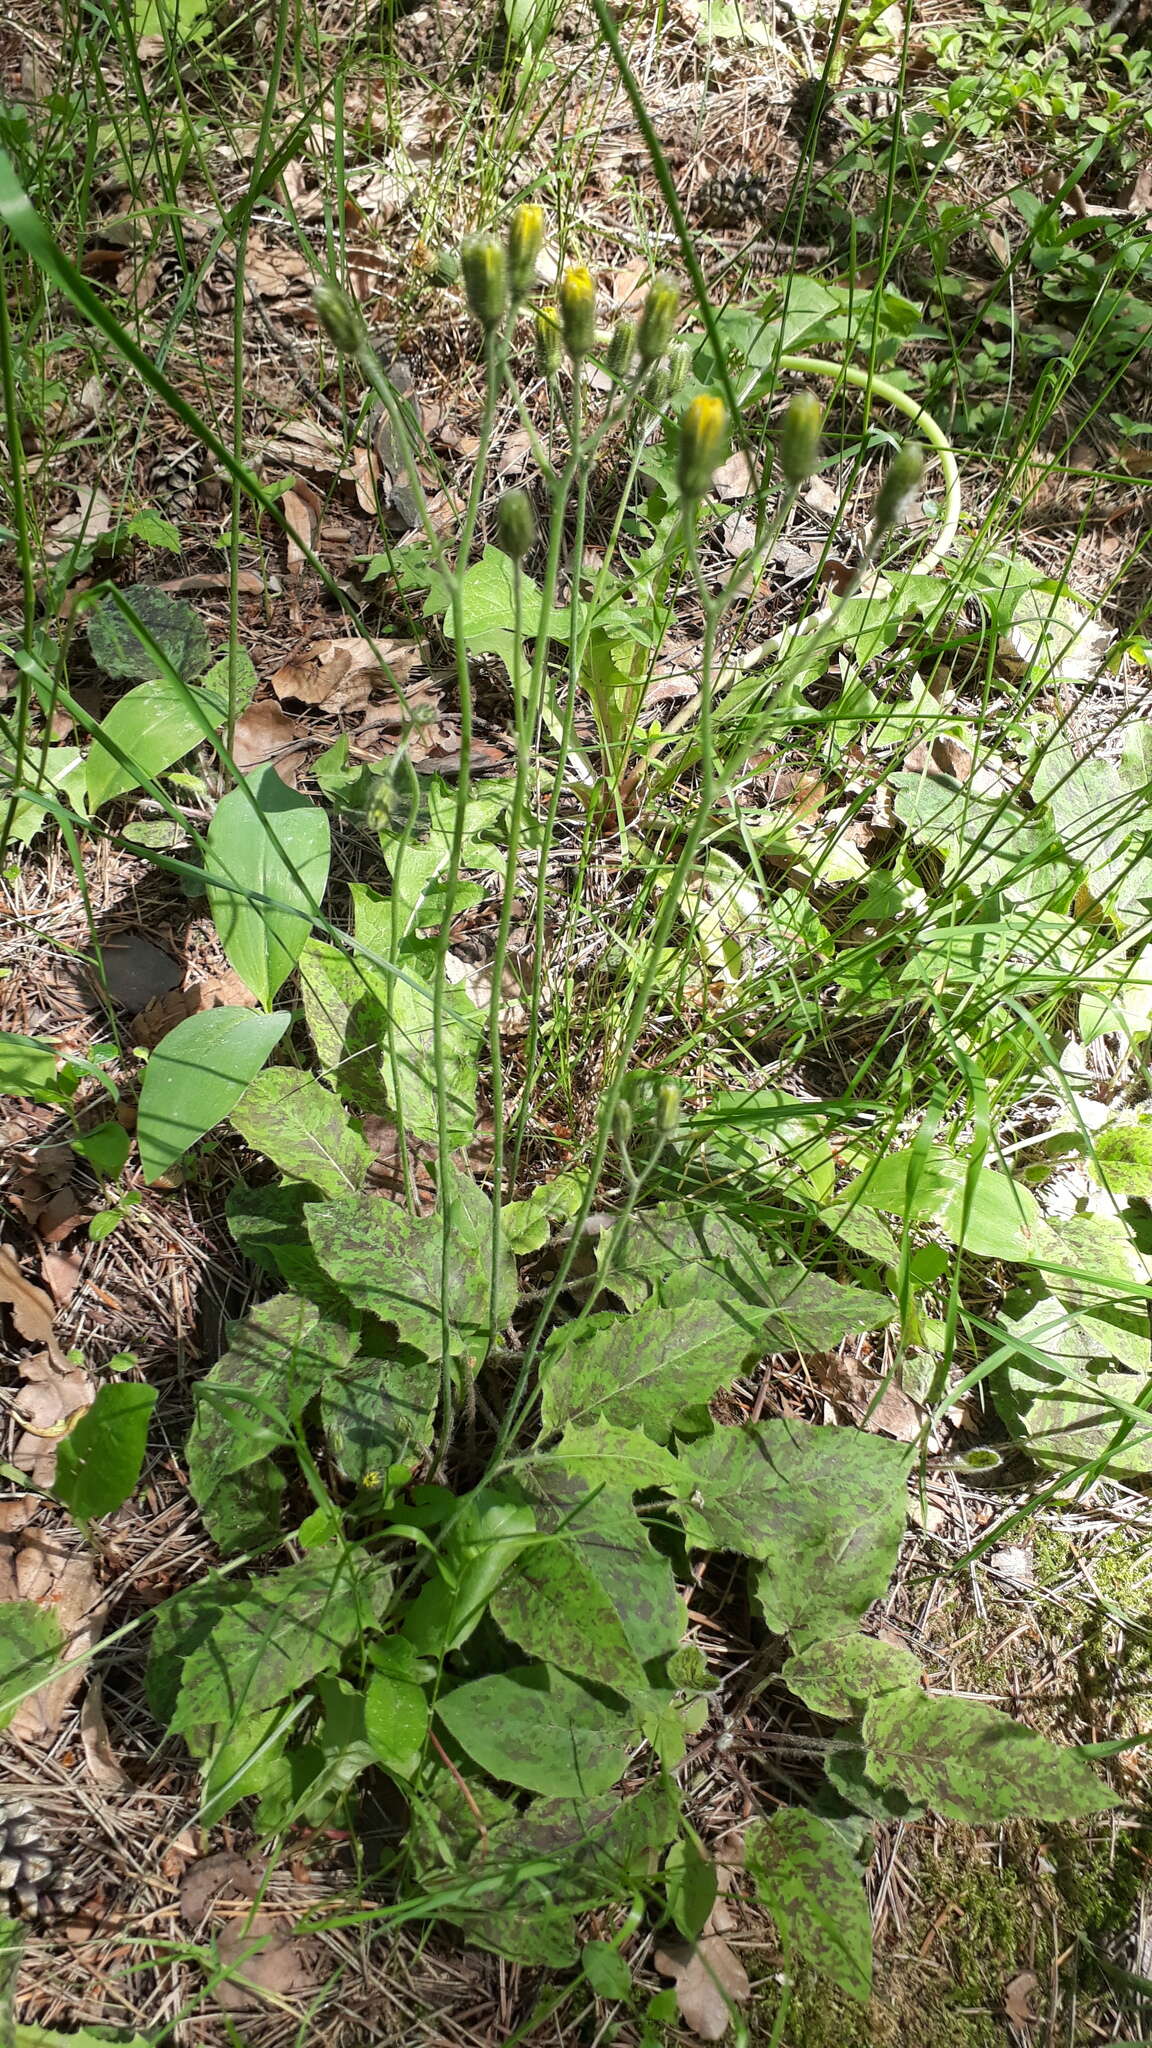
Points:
(713, 610)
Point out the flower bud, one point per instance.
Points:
(485, 268)
(668, 1108)
(339, 317)
(678, 364)
(621, 346)
(904, 474)
(578, 312)
(622, 1122)
(515, 525)
(703, 444)
(800, 438)
(658, 319)
(549, 345)
(525, 241)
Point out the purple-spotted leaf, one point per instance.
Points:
(809, 1880)
(537, 1728)
(969, 1763)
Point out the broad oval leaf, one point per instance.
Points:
(640, 1370)
(396, 1717)
(283, 1632)
(393, 1264)
(997, 1217)
(972, 1764)
(834, 1675)
(154, 725)
(246, 1409)
(274, 843)
(825, 1509)
(303, 1128)
(810, 1882)
(196, 1076)
(98, 1463)
(178, 631)
(535, 1727)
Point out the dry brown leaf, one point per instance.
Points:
(265, 733)
(1018, 1998)
(948, 756)
(819, 496)
(271, 271)
(15, 1514)
(63, 1212)
(225, 1875)
(709, 1978)
(158, 1018)
(63, 1580)
(101, 1763)
(733, 479)
(248, 583)
(62, 1272)
(340, 674)
(1139, 199)
(53, 1392)
(32, 1310)
(282, 1966)
(476, 977)
(515, 454)
(301, 506)
(630, 283)
(852, 1387)
(95, 514)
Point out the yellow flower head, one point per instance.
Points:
(525, 241)
(578, 311)
(485, 268)
(703, 444)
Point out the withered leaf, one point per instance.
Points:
(62, 1579)
(281, 1966)
(32, 1309)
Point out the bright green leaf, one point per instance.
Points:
(99, 1461)
(527, 1225)
(269, 841)
(106, 1148)
(396, 1716)
(606, 1970)
(196, 1076)
(996, 1217)
(154, 725)
(689, 1886)
(28, 1067)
